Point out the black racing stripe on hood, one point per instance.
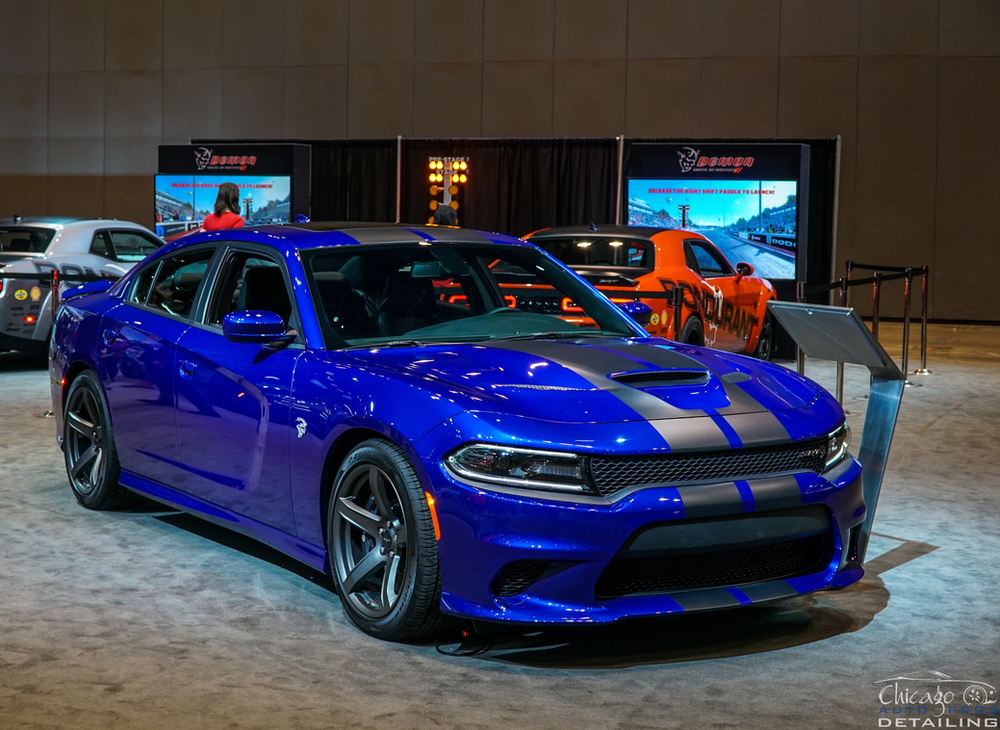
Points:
(594, 364)
(739, 400)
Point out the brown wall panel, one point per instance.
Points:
(380, 100)
(589, 98)
(315, 102)
(966, 251)
(591, 29)
(76, 35)
(449, 31)
(664, 98)
(192, 105)
(316, 32)
(24, 195)
(76, 124)
(381, 31)
(252, 33)
(899, 27)
(897, 119)
(735, 28)
(518, 30)
(24, 124)
(24, 37)
(819, 27)
(253, 103)
(76, 195)
(739, 97)
(191, 34)
(448, 100)
(137, 30)
(517, 99)
(130, 198)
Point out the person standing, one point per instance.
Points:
(227, 210)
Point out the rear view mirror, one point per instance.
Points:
(257, 327)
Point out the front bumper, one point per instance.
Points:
(570, 557)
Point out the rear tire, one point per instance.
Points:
(765, 340)
(89, 448)
(382, 547)
(692, 332)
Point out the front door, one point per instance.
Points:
(233, 399)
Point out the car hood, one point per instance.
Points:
(595, 379)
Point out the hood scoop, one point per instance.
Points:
(658, 378)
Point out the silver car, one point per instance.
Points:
(80, 249)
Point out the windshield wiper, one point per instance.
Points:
(382, 345)
(557, 335)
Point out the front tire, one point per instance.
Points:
(382, 547)
(89, 448)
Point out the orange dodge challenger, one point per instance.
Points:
(725, 307)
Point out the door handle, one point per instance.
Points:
(109, 336)
(187, 369)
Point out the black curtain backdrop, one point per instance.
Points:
(517, 185)
(354, 180)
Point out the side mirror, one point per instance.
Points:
(255, 327)
(744, 269)
(640, 312)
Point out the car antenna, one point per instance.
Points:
(17, 218)
(593, 227)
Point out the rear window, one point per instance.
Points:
(18, 239)
(593, 251)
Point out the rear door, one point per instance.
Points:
(136, 360)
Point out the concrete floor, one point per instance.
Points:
(149, 619)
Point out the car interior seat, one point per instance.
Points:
(406, 304)
(21, 245)
(348, 311)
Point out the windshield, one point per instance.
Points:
(20, 239)
(425, 293)
(584, 250)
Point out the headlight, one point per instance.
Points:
(515, 467)
(836, 445)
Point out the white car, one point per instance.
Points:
(78, 248)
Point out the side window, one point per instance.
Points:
(177, 280)
(132, 246)
(709, 262)
(144, 283)
(101, 245)
(250, 281)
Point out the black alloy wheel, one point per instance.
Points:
(381, 545)
(89, 448)
(765, 341)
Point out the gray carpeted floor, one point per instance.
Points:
(150, 619)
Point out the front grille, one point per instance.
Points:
(654, 378)
(652, 575)
(518, 576)
(612, 474)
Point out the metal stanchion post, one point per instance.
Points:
(840, 365)
(800, 356)
(923, 323)
(678, 302)
(906, 327)
(876, 288)
(54, 283)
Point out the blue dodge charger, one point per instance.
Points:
(413, 411)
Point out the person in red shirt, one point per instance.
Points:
(227, 210)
